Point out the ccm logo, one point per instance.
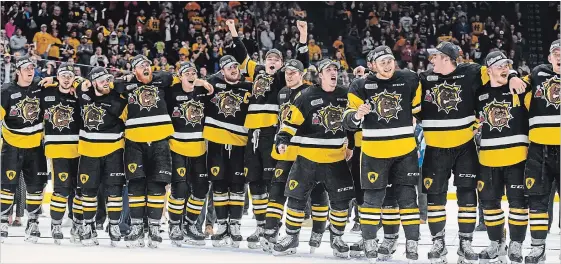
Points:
(345, 189)
(463, 175)
(517, 186)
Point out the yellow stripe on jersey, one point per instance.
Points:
(503, 157)
(64, 151)
(484, 75)
(448, 139)
(188, 149)
(2, 113)
(248, 66)
(354, 101)
(527, 100)
(294, 117)
(358, 139)
(22, 141)
(388, 148)
(260, 120)
(99, 149)
(416, 103)
(223, 136)
(545, 135)
(322, 155)
(289, 155)
(149, 133)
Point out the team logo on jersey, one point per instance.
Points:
(262, 85)
(549, 91)
(284, 109)
(372, 176)
(530, 183)
(93, 116)
(496, 114)
(278, 172)
(145, 96)
(330, 117)
(181, 171)
(427, 183)
(386, 105)
(480, 185)
(60, 116)
(445, 96)
(132, 167)
(215, 171)
(228, 103)
(84, 178)
(11, 174)
(192, 111)
(27, 109)
(292, 184)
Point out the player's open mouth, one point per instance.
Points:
(504, 75)
(333, 78)
(146, 73)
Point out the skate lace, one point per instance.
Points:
(492, 249)
(33, 226)
(437, 246)
(258, 232)
(193, 229)
(220, 229)
(4, 227)
(536, 251)
(56, 229)
(115, 230)
(411, 246)
(286, 240)
(316, 236)
(466, 245)
(387, 243)
(136, 229)
(87, 230)
(235, 229)
(515, 247)
(154, 230)
(339, 241)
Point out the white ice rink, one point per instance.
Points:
(15, 250)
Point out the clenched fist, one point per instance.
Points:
(363, 110)
(230, 23)
(302, 26)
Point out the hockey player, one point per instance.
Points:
(542, 166)
(147, 155)
(504, 129)
(314, 125)
(101, 152)
(447, 118)
(22, 151)
(294, 74)
(186, 105)
(62, 125)
(262, 119)
(225, 114)
(383, 104)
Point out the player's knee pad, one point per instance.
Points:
(156, 188)
(34, 189)
(179, 189)
(258, 187)
(374, 197)
(538, 202)
(319, 195)
(436, 198)
(491, 204)
(62, 191)
(11, 188)
(277, 190)
(89, 192)
(220, 186)
(520, 203)
(339, 205)
(114, 190)
(296, 204)
(406, 196)
(237, 187)
(200, 188)
(137, 187)
(466, 196)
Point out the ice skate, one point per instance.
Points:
(56, 232)
(154, 238)
(340, 248)
(438, 252)
(235, 233)
(371, 250)
(94, 235)
(88, 236)
(220, 237)
(76, 233)
(287, 245)
(515, 252)
(269, 239)
(136, 236)
(466, 255)
(32, 233)
(357, 249)
(192, 236)
(356, 228)
(537, 255)
(114, 234)
(494, 253)
(253, 241)
(411, 250)
(175, 234)
(315, 241)
(3, 231)
(387, 248)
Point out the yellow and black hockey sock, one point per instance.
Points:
(175, 209)
(193, 208)
(89, 206)
(155, 206)
(275, 207)
(259, 202)
(294, 220)
(236, 203)
(390, 221)
(410, 219)
(338, 221)
(517, 223)
(436, 212)
(6, 204)
(369, 220)
(467, 209)
(58, 208)
(33, 202)
(114, 209)
(494, 220)
(77, 209)
(319, 217)
(220, 200)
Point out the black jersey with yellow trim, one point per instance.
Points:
(225, 112)
(503, 118)
(387, 131)
(146, 114)
(544, 105)
(448, 104)
(314, 125)
(62, 122)
(21, 114)
(263, 105)
(187, 116)
(103, 125)
(286, 99)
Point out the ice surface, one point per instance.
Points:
(15, 250)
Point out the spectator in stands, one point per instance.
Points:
(18, 42)
(7, 69)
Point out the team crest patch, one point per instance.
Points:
(292, 184)
(387, 105)
(228, 103)
(191, 111)
(27, 109)
(11, 174)
(84, 178)
(63, 176)
(92, 116)
(262, 85)
(132, 167)
(145, 96)
(372, 177)
(549, 91)
(330, 117)
(427, 183)
(530, 183)
(445, 96)
(215, 171)
(60, 116)
(181, 171)
(480, 185)
(496, 115)
(278, 172)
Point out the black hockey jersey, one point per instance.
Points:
(187, 116)
(314, 125)
(286, 99)
(62, 123)
(147, 119)
(503, 118)
(103, 127)
(388, 130)
(21, 113)
(448, 104)
(544, 105)
(225, 112)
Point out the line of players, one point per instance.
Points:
(162, 122)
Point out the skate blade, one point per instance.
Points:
(57, 242)
(88, 243)
(194, 242)
(235, 244)
(153, 244)
(313, 249)
(266, 246)
(384, 257)
(463, 260)
(95, 241)
(356, 254)
(254, 245)
(220, 243)
(441, 260)
(113, 243)
(291, 251)
(340, 254)
(32, 239)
